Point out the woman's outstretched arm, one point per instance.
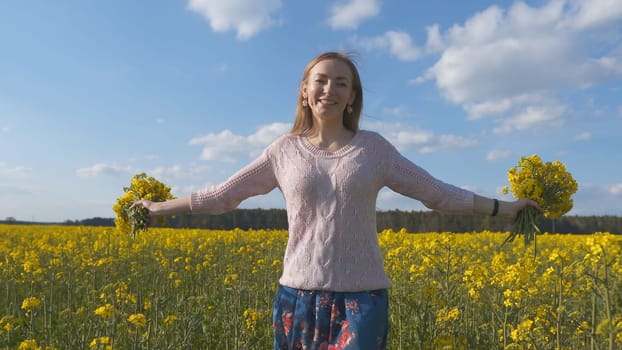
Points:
(170, 207)
(254, 179)
(486, 206)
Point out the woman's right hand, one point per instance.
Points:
(164, 208)
(147, 204)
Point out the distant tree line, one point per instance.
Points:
(432, 221)
(412, 221)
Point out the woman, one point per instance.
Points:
(333, 290)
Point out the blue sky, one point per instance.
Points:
(93, 92)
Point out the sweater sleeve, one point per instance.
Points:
(405, 177)
(254, 179)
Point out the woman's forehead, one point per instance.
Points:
(332, 68)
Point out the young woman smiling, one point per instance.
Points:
(333, 290)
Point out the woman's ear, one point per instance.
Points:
(303, 89)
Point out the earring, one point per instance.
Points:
(349, 109)
(304, 101)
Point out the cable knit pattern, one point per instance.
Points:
(331, 205)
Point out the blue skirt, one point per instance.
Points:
(321, 320)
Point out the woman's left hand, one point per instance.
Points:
(518, 205)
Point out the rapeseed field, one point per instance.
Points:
(64, 287)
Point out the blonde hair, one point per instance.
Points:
(303, 121)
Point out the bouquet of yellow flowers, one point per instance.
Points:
(135, 219)
(548, 183)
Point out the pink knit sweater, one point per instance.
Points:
(331, 205)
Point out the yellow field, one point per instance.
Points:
(93, 288)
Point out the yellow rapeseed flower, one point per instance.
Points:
(138, 320)
(230, 278)
(251, 316)
(30, 303)
(170, 319)
(106, 311)
(443, 315)
(100, 343)
(28, 344)
(103, 261)
(123, 295)
(521, 333)
(5, 323)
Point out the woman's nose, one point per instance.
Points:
(329, 86)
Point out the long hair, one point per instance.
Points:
(303, 121)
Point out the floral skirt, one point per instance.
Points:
(321, 320)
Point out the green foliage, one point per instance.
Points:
(142, 186)
(139, 219)
(527, 224)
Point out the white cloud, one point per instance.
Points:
(496, 155)
(400, 44)
(486, 108)
(525, 112)
(423, 141)
(229, 147)
(172, 172)
(448, 142)
(498, 61)
(246, 17)
(348, 15)
(268, 133)
(224, 146)
(501, 70)
(160, 121)
(417, 80)
(102, 169)
(584, 136)
(533, 118)
(5, 129)
(593, 13)
(399, 112)
(177, 172)
(615, 189)
(485, 58)
(435, 42)
(7, 169)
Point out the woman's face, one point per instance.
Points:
(328, 89)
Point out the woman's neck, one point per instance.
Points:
(330, 139)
